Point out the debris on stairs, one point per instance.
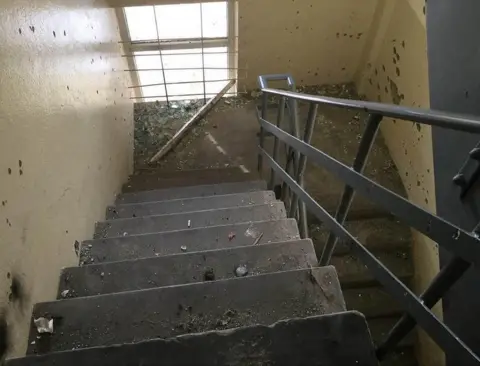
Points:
(234, 286)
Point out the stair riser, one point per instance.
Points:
(171, 311)
(185, 268)
(193, 220)
(189, 205)
(210, 238)
(190, 192)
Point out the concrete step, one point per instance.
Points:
(353, 273)
(336, 339)
(144, 182)
(166, 243)
(373, 302)
(199, 307)
(186, 268)
(187, 220)
(190, 192)
(191, 174)
(382, 234)
(189, 204)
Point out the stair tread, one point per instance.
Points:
(185, 268)
(209, 238)
(335, 339)
(185, 220)
(375, 234)
(171, 311)
(192, 191)
(158, 180)
(189, 204)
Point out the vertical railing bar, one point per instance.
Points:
(276, 144)
(307, 137)
(161, 57)
(441, 283)
(203, 55)
(359, 163)
(262, 134)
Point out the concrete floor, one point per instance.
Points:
(228, 137)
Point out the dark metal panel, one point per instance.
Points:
(453, 30)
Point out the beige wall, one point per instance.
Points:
(65, 142)
(395, 70)
(319, 42)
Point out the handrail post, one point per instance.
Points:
(262, 133)
(366, 143)
(302, 164)
(442, 282)
(276, 144)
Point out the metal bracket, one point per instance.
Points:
(469, 172)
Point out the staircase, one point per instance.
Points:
(198, 267)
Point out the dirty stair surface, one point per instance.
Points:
(202, 267)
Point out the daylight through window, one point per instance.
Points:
(180, 51)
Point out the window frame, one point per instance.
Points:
(154, 45)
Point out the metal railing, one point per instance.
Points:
(465, 246)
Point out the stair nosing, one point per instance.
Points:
(269, 204)
(205, 283)
(172, 231)
(198, 186)
(182, 199)
(192, 252)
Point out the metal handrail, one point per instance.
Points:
(452, 121)
(464, 246)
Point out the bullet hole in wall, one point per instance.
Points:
(16, 291)
(9, 171)
(20, 171)
(32, 28)
(4, 336)
(403, 44)
(68, 88)
(383, 67)
(397, 70)
(466, 94)
(54, 35)
(20, 30)
(64, 33)
(20, 163)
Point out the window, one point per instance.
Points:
(181, 51)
